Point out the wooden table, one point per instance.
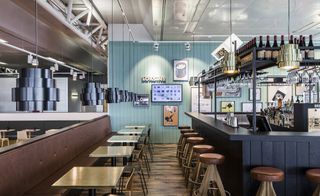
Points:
(131, 131)
(90, 178)
(124, 139)
(113, 152)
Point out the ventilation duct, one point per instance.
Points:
(36, 91)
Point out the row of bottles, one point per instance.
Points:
(270, 52)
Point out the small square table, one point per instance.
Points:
(90, 178)
(113, 152)
(124, 139)
(131, 131)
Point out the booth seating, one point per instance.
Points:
(267, 175)
(49, 156)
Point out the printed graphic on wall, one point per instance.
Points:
(279, 92)
(227, 106)
(228, 92)
(180, 70)
(248, 107)
(170, 115)
(258, 94)
(141, 100)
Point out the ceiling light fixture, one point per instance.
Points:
(156, 47)
(52, 68)
(35, 62)
(71, 71)
(187, 46)
(289, 56)
(56, 66)
(74, 76)
(30, 58)
(229, 63)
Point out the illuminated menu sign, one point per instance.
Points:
(166, 92)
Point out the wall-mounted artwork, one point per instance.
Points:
(277, 92)
(258, 94)
(205, 103)
(248, 107)
(227, 106)
(142, 100)
(170, 115)
(299, 89)
(226, 92)
(180, 70)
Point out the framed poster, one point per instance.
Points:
(279, 92)
(205, 103)
(299, 89)
(227, 106)
(248, 107)
(180, 70)
(225, 92)
(258, 94)
(170, 115)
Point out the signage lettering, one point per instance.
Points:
(153, 79)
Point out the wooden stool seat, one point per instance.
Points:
(313, 175)
(211, 158)
(200, 149)
(195, 140)
(184, 127)
(193, 134)
(182, 131)
(267, 174)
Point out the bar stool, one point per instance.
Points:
(211, 177)
(267, 175)
(182, 131)
(184, 144)
(313, 176)
(184, 127)
(197, 150)
(187, 157)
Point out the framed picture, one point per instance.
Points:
(205, 103)
(227, 106)
(258, 94)
(279, 92)
(180, 70)
(248, 107)
(142, 100)
(299, 89)
(170, 115)
(225, 92)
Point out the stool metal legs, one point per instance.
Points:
(211, 175)
(317, 191)
(266, 189)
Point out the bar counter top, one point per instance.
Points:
(292, 152)
(241, 133)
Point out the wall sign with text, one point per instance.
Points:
(153, 79)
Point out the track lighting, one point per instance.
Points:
(30, 58)
(56, 66)
(71, 71)
(156, 46)
(52, 68)
(35, 62)
(74, 76)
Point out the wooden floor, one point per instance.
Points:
(166, 176)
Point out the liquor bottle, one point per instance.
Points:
(275, 51)
(310, 54)
(261, 52)
(254, 42)
(291, 39)
(303, 50)
(268, 52)
(282, 40)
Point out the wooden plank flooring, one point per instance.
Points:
(166, 177)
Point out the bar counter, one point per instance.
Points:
(293, 152)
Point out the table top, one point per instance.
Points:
(135, 126)
(112, 151)
(90, 178)
(127, 131)
(124, 139)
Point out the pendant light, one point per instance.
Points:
(35, 61)
(112, 94)
(92, 93)
(289, 56)
(229, 63)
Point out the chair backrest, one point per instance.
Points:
(128, 186)
(22, 135)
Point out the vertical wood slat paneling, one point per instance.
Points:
(141, 63)
(278, 160)
(290, 170)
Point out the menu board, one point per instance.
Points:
(166, 92)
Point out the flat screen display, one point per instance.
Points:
(166, 93)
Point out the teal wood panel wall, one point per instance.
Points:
(139, 60)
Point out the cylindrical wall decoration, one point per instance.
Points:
(92, 94)
(36, 91)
